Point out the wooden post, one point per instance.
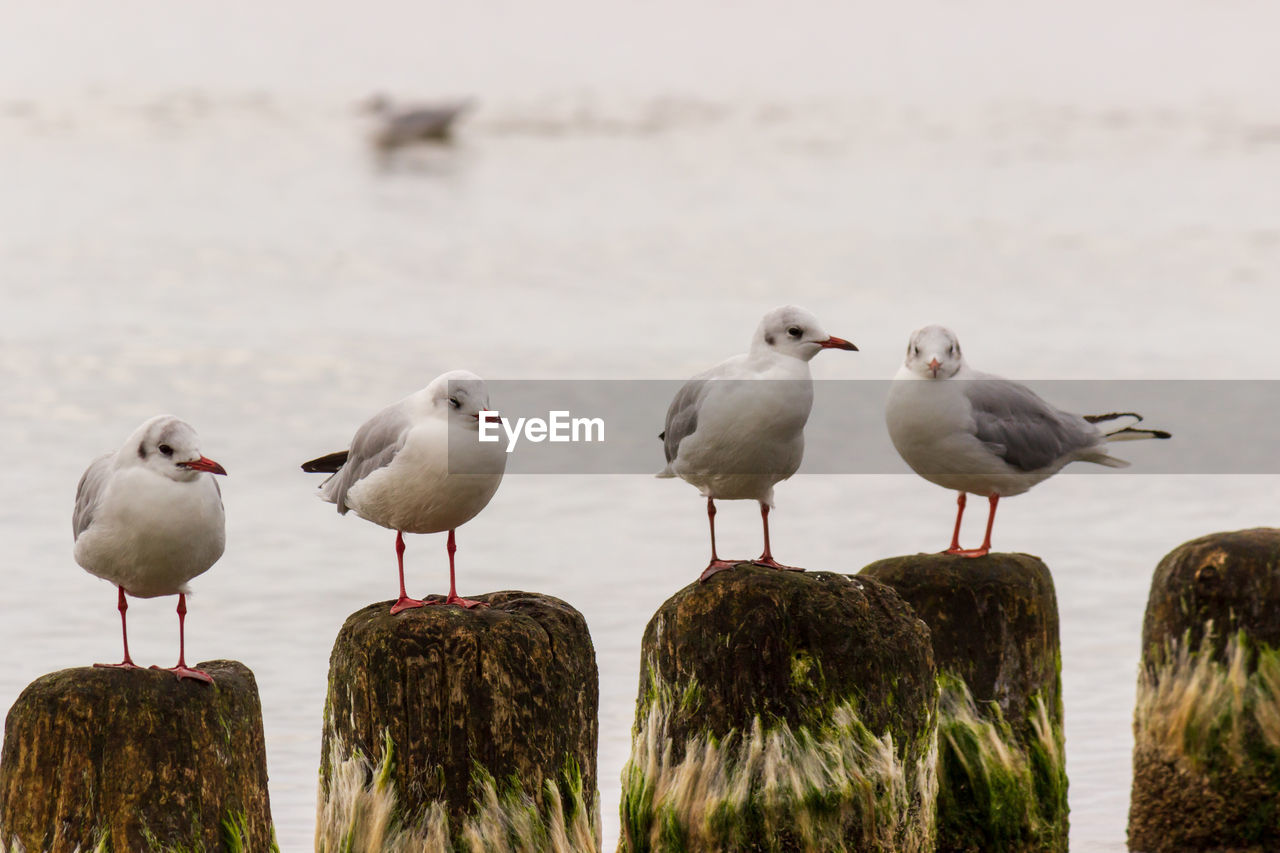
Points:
(138, 758)
(1206, 756)
(994, 623)
(782, 711)
(446, 726)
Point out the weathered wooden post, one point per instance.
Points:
(1002, 782)
(782, 711)
(136, 758)
(1206, 756)
(470, 730)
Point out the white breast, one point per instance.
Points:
(750, 433)
(931, 425)
(416, 493)
(151, 534)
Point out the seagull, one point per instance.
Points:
(148, 518)
(980, 434)
(734, 439)
(418, 466)
(400, 125)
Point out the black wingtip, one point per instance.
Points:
(1144, 433)
(1097, 419)
(328, 464)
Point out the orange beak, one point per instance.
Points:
(204, 463)
(837, 343)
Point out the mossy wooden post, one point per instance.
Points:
(1206, 757)
(782, 711)
(1002, 782)
(469, 730)
(139, 759)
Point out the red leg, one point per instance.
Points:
(716, 565)
(766, 559)
(182, 670)
(991, 520)
(453, 597)
(955, 536)
(404, 602)
(986, 540)
(127, 663)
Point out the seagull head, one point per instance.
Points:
(169, 447)
(794, 332)
(461, 396)
(934, 353)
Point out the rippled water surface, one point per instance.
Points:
(191, 222)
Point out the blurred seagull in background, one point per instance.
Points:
(399, 126)
(984, 435)
(418, 466)
(734, 436)
(148, 518)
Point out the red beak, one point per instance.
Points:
(934, 364)
(204, 463)
(490, 419)
(837, 343)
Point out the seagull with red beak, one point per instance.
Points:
(418, 466)
(983, 435)
(736, 430)
(149, 518)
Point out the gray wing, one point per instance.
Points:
(376, 443)
(89, 492)
(682, 416)
(1021, 428)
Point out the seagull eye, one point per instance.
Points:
(165, 449)
(453, 401)
(915, 351)
(795, 331)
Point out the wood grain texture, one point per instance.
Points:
(151, 760)
(511, 688)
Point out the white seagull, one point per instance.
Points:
(418, 466)
(149, 518)
(980, 434)
(734, 436)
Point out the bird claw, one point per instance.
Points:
(182, 671)
(405, 603)
(457, 601)
(770, 563)
(715, 567)
(968, 552)
(124, 664)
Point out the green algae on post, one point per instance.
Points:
(993, 621)
(781, 711)
(461, 729)
(1206, 757)
(997, 791)
(838, 787)
(362, 810)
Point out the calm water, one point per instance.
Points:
(191, 223)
